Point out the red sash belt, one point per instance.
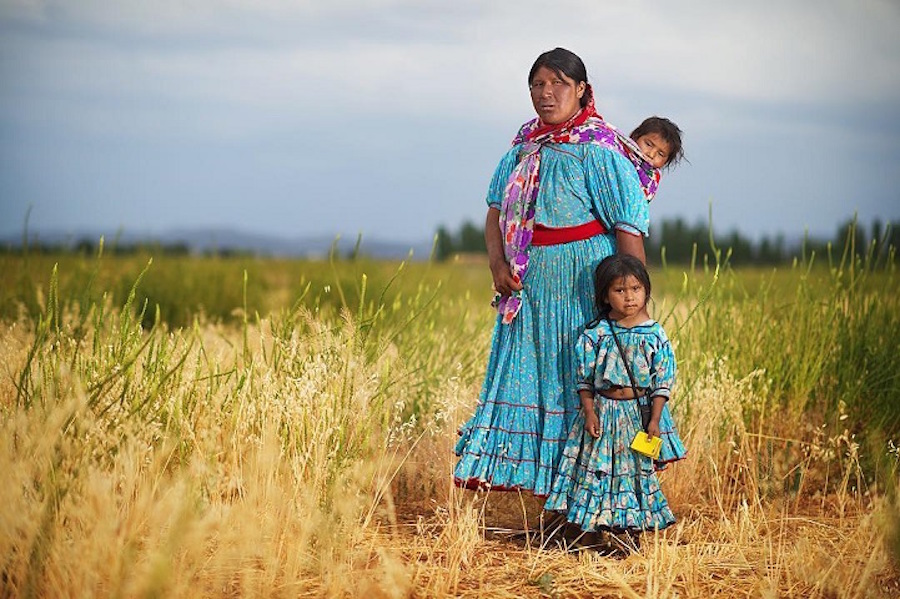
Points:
(556, 235)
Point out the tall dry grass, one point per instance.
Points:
(201, 461)
(307, 451)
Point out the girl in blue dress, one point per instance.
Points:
(602, 484)
(563, 197)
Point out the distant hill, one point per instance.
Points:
(200, 241)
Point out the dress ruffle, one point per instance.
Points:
(602, 484)
(673, 448)
(528, 401)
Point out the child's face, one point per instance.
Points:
(626, 296)
(655, 148)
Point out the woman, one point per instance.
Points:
(562, 199)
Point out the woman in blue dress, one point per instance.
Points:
(562, 198)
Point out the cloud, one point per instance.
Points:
(408, 56)
(260, 97)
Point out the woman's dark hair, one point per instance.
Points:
(563, 62)
(666, 129)
(612, 268)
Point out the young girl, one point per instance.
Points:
(602, 484)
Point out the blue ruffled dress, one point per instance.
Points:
(602, 484)
(528, 401)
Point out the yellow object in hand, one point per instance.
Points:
(646, 445)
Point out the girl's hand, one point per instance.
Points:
(653, 428)
(592, 424)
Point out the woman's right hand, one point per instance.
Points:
(505, 283)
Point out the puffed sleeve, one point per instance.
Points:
(662, 367)
(615, 190)
(585, 363)
(494, 197)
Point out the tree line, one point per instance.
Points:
(677, 242)
(89, 247)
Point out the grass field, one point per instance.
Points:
(196, 427)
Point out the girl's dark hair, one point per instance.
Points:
(612, 268)
(666, 129)
(563, 62)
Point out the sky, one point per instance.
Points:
(386, 118)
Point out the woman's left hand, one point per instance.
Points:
(653, 429)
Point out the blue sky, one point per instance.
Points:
(387, 117)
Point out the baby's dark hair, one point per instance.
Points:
(612, 268)
(666, 129)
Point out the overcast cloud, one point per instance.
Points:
(387, 117)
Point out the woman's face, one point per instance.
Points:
(556, 98)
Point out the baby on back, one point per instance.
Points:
(655, 144)
(659, 140)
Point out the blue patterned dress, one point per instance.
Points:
(528, 401)
(602, 484)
